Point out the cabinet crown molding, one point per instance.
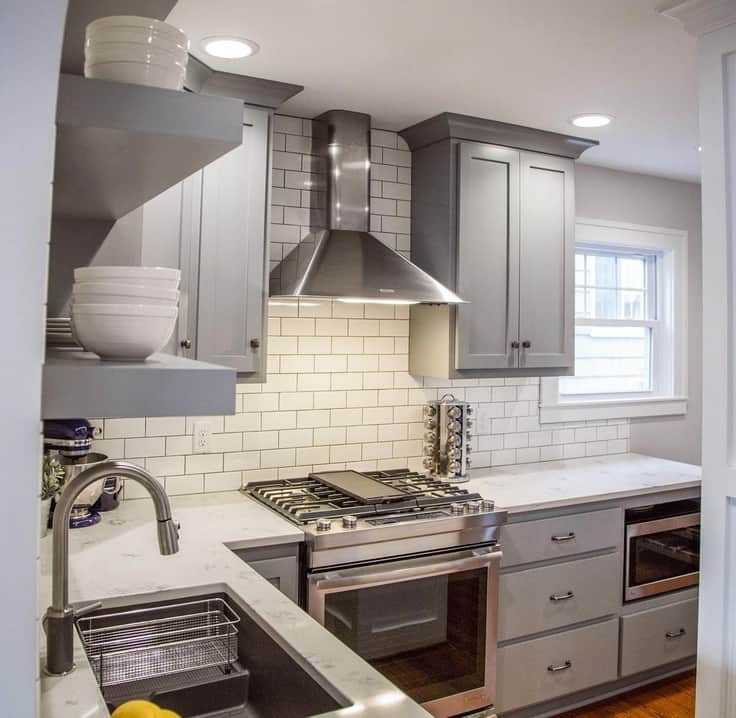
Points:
(449, 125)
(699, 17)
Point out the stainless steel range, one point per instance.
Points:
(404, 569)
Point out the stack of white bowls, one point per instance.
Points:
(124, 313)
(139, 50)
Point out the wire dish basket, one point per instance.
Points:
(142, 643)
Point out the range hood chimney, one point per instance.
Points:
(339, 258)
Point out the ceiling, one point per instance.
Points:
(530, 62)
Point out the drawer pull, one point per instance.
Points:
(562, 667)
(565, 537)
(679, 634)
(561, 596)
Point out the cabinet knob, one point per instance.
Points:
(185, 343)
(255, 343)
(514, 344)
(526, 344)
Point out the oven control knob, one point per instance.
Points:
(457, 509)
(473, 507)
(349, 522)
(488, 505)
(324, 524)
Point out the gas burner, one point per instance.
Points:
(308, 499)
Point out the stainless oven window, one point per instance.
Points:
(428, 636)
(664, 555)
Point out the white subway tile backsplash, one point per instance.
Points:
(338, 392)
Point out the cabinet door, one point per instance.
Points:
(546, 262)
(232, 252)
(488, 258)
(170, 238)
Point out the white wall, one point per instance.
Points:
(643, 199)
(31, 31)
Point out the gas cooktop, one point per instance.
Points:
(336, 494)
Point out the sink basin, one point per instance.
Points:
(201, 656)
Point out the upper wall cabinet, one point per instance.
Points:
(214, 226)
(495, 223)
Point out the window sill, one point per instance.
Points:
(612, 409)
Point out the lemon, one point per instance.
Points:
(166, 713)
(137, 709)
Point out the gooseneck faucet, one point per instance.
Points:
(60, 615)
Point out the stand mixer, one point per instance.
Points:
(69, 441)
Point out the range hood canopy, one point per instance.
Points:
(339, 258)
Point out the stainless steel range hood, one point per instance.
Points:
(339, 258)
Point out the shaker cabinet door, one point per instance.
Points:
(546, 262)
(232, 251)
(488, 258)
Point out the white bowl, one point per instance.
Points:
(135, 52)
(162, 277)
(123, 332)
(109, 293)
(154, 30)
(137, 73)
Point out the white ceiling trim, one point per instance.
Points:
(702, 16)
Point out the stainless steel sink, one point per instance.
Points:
(201, 656)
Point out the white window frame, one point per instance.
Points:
(669, 390)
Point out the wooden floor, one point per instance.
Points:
(674, 698)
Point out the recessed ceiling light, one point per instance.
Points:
(229, 48)
(591, 119)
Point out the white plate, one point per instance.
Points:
(135, 52)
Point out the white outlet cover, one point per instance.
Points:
(201, 437)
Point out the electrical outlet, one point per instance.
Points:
(201, 437)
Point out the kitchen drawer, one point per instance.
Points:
(658, 636)
(561, 536)
(582, 657)
(526, 603)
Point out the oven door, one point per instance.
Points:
(662, 555)
(429, 624)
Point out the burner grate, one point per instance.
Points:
(308, 499)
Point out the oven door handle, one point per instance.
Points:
(403, 570)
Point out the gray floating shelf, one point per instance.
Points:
(119, 145)
(78, 384)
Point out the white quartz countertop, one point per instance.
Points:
(553, 484)
(118, 560)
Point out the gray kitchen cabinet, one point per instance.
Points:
(214, 226)
(488, 271)
(544, 668)
(546, 262)
(493, 218)
(658, 636)
(233, 289)
(566, 637)
(278, 564)
(549, 597)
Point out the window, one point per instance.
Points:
(630, 303)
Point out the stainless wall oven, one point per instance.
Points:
(662, 548)
(426, 623)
